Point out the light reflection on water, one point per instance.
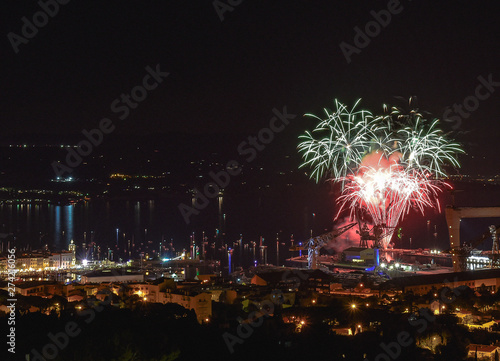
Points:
(141, 221)
(56, 225)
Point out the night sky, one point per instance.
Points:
(227, 76)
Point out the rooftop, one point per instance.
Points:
(31, 284)
(355, 249)
(290, 275)
(481, 348)
(444, 278)
(113, 272)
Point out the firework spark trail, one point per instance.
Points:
(343, 139)
(427, 149)
(386, 165)
(388, 194)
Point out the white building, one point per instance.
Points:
(63, 259)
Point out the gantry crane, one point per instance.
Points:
(314, 244)
(460, 254)
(376, 234)
(453, 217)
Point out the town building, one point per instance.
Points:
(359, 254)
(114, 275)
(488, 279)
(39, 288)
(483, 352)
(200, 303)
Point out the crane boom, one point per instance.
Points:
(492, 229)
(461, 253)
(315, 244)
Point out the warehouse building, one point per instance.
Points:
(422, 284)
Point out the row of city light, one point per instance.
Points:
(384, 265)
(479, 259)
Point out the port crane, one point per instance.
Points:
(375, 234)
(314, 244)
(453, 217)
(460, 254)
